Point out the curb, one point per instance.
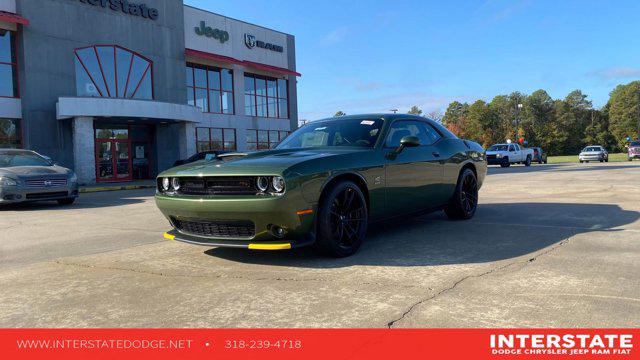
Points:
(114, 188)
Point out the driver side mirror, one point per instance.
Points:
(407, 142)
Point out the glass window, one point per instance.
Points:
(342, 132)
(230, 139)
(227, 80)
(124, 60)
(261, 106)
(7, 87)
(209, 82)
(202, 99)
(8, 65)
(106, 57)
(112, 71)
(267, 95)
(214, 102)
(214, 80)
(10, 133)
(215, 139)
(250, 105)
(227, 103)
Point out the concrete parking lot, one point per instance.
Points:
(554, 245)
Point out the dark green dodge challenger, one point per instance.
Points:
(323, 185)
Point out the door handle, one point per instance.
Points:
(436, 154)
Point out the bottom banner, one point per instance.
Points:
(318, 343)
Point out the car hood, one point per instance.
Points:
(30, 171)
(270, 162)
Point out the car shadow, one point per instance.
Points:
(86, 201)
(498, 232)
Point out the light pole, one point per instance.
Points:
(517, 122)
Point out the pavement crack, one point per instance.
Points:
(391, 323)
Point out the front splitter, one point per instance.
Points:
(242, 244)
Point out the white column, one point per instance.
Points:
(84, 150)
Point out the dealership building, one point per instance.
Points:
(118, 90)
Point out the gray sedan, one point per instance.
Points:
(28, 176)
(594, 153)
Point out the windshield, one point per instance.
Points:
(10, 159)
(499, 148)
(337, 132)
(592, 149)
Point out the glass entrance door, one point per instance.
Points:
(113, 154)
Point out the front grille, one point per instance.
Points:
(39, 183)
(49, 195)
(220, 185)
(222, 228)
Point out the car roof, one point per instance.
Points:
(371, 116)
(10, 151)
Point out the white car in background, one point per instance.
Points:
(593, 153)
(509, 153)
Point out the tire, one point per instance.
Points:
(630, 159)
(505, 163)
(528, 161)
(606, 159)
(342, 220)
(464, 203)
(67, 201)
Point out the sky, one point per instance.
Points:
(373, 56)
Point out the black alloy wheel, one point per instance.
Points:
(342, 220)
(464, 203)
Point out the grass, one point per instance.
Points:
(574, 158)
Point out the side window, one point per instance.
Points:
(422, 131)
(432, 135)
(512, 148)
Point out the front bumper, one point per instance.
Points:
(495, 160)
(289, 212)
(591, 157)
(19, 194)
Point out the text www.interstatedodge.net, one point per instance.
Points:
(80, 344)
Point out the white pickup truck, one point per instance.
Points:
(507, 154)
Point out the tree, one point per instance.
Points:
(454, 117)
(623, 110)
(572, 118)
(482, 124)
(435, 115)
(340, 113)
(415, 110)
(597, 132)
(538, 121)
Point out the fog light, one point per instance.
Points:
(277, 231)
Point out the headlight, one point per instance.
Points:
(5, 181)
(278, 183)
(165, 184)
(175, 182)
(499, 156)
(262, 183)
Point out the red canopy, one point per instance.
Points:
(214, 57)
(266, 67)
(13, 18)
